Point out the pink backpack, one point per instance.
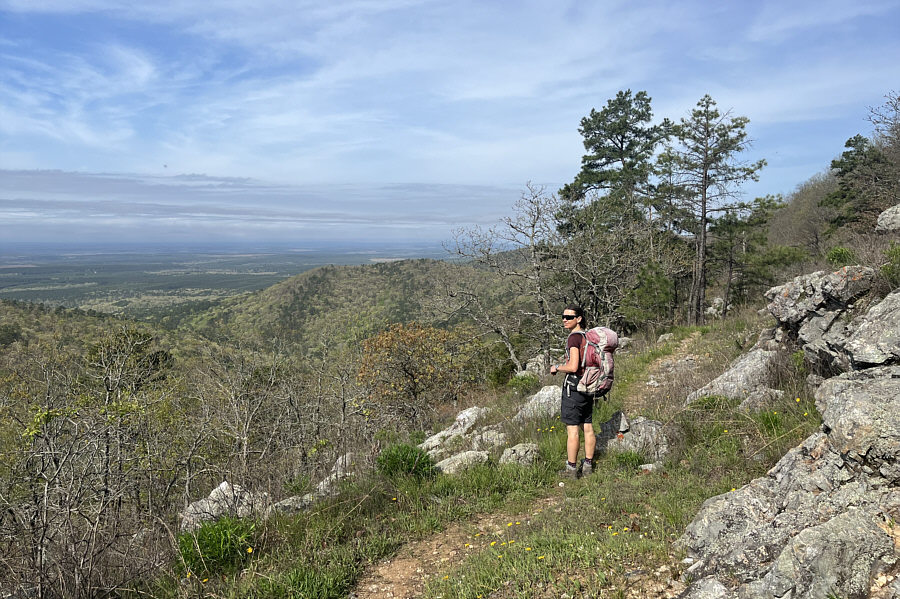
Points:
(597, 361)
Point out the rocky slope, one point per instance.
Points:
(825, 521)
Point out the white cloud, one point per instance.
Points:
(371, 92)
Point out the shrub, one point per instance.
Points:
(524, 383)
(839, 256)
(218, 547)
(405, 460)
(9, 334)
(891, 269)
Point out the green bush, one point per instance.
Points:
(9, 334)
(891, 269)
(840, 256)
(218, 547)
(524, 383)
(405, 460)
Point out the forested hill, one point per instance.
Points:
(335, 302)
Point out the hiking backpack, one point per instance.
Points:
(597, 361)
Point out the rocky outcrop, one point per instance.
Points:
(716, 308)
(490, 437)
(889, 220)
(462, 461)
(746, 379)
(523, 454)
(818, 293)
(225, 500)
(824, 519)
(442, 441)
(816, 310)
(875, 339)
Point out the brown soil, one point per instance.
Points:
(403, 576)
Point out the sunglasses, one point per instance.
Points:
(569, 317)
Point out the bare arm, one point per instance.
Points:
(571, 365)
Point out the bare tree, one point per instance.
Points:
(521, 250)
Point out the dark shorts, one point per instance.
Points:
(576, 408)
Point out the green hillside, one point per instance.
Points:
(337, 303)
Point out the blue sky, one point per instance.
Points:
(390, 119)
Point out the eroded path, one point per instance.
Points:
(404, 575)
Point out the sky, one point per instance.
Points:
(403, 120)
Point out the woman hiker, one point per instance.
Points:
(577, 409)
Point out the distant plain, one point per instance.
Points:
(149, 282)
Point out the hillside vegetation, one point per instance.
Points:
(111, 427)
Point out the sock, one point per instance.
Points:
(588, 461)
(571, 465)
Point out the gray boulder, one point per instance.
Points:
(292, 505)
(818, 292)
(708, 588)
(823, 558)
(876, 340)
(543, 404)
(523, 454)
(746, 378)
(438, 443)
(717, 307)
(462, 461)
(489, 438)
(224, 500)
(889, 220)
(639, 435)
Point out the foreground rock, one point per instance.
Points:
(824, 519)
(639, 435)
(523, 454)
(874, 339)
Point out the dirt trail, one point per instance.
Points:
(404, 575)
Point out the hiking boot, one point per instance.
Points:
(570, 471)
(587, 468)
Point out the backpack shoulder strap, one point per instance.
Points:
(581, 348)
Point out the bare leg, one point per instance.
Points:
(572, 443)
(590, 440)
